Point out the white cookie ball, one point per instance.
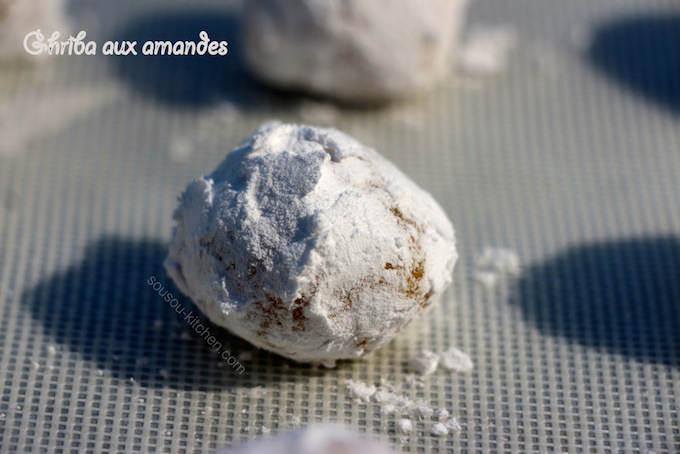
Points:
(311, 245)
(352, 50)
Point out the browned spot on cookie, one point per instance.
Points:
(413, 276)
(362, 342)
(269, 312)
(397, 212)
(425, 301)
(299, 324)
(389, 266)
(299, 314)
(347, 299)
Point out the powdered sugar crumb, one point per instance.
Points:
(389, 401)
(425, 362)
(393, 403)
(404, 425)
(453, 424)
(455, 360)
(441, 413)
(360, 391)
(415, 381)
(439, 430)
(492, 263)
(486, 49)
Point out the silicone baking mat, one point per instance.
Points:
(569, 156)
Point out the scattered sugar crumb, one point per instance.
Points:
(453, 424)
(294, 420)
(414, 380)
(100, 372)
(404, 425)
(425, 362)
(163, 373)
(386, 384)
(455, 360)
(35, 364)
(492, 263)
(185, 336)
(360, 390)
(158, 324)
(439, 430)
(486, 49)
(265, 430)
(487, 278)
(441, 413)
(394, 403)
(423, 410)
(51, 350)
(389, 402)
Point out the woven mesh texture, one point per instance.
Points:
(570, 156)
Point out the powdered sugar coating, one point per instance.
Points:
(353, 50)
(425, 362)
(311, 245)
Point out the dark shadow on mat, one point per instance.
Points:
(622, 297)
(105, 309)
(643, 54)
(191, 81)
